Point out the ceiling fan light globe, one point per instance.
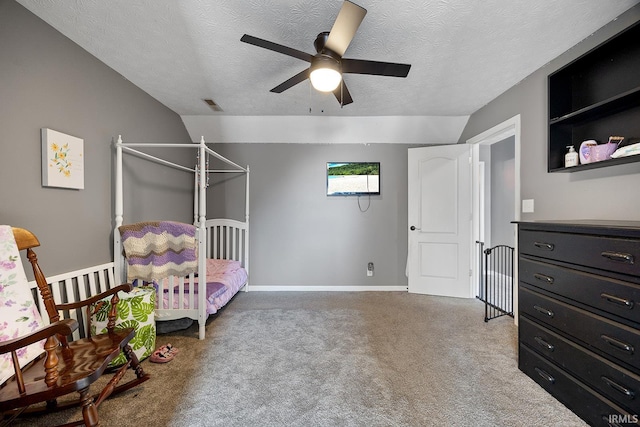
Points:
(325, 79)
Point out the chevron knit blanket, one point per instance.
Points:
(158, 249)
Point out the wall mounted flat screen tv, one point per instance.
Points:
(353, 178)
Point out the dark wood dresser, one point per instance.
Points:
(579, 315)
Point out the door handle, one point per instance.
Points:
(413, 228)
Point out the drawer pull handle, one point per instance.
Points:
(545, 375)
(545, 246)
(618, 256)
(544, 278)
(543, 310)
(618, 344)
(617, 300)
(619, 388)
(544, 344)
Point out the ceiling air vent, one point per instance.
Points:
(211, 103)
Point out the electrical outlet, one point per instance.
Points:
(370, 269)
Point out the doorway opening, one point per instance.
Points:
(496, 201)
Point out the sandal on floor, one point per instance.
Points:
(164, 354)
(170, 348)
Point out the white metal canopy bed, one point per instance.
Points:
(221, 245)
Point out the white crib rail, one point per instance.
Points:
(228, 239)
(180, 301)
(77, 286)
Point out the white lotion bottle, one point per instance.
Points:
(571, 158)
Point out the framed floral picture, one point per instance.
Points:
(62, 160)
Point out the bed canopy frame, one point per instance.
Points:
(199, 209)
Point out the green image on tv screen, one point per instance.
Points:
(353, 178)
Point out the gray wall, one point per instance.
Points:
(301, 237)
(606, 193)
(502, 192)
(48, 81)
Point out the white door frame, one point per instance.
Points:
(506, 129)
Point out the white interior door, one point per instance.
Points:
(439, 258)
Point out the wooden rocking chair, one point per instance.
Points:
(65, 366)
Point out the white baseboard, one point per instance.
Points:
(276, 288)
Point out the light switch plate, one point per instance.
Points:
(527, 206)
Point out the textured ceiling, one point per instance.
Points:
(463, 53)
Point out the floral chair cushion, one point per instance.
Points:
(136, 309)
(20, 314)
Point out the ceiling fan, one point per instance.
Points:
(328, 65)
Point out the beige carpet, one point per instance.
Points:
(338, 359)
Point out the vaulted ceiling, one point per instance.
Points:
(463, 53)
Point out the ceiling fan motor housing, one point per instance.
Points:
(320, 41)
(322, 60)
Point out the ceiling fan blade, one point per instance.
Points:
(276, 47)
(359, 66)
(300, 77)
(345, 27)
(342, 94)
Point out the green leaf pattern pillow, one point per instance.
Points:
(136, 309)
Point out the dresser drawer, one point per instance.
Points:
(614, 339)
(607, 294)
(614, 382)
(612, 254)
(586, 403)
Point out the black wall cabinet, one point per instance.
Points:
(594, 97)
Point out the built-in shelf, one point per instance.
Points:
(595, 97)
(609, 106)
(601, 164)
